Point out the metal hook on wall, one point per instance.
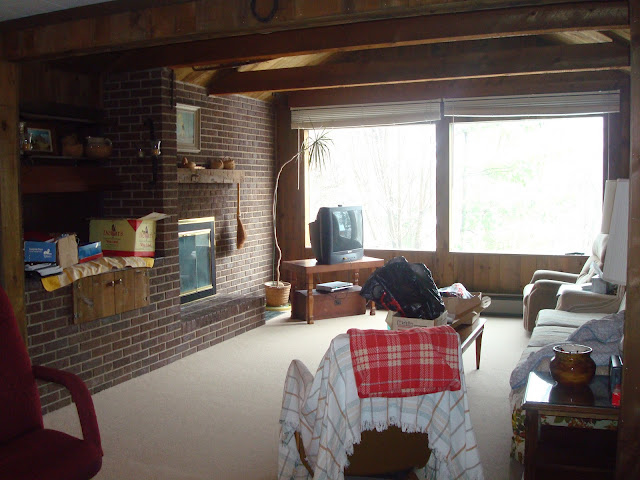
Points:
(155, 151)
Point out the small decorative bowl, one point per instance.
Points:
(229, 164)
(216, 164)
(572, 365)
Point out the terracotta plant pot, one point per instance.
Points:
(572, 365)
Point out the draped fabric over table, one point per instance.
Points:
(330, 417)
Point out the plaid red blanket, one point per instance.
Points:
(405, 363)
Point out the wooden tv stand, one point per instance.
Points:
(301, 273)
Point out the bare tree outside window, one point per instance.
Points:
(526, 186)
(390, 171)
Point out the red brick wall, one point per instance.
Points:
(112, 350)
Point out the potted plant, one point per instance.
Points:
(315, 148)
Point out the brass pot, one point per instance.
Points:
(572, 365)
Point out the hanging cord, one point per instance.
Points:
(269, 17)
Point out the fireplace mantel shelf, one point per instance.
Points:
(186, 175)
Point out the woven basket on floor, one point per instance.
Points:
(277, 293)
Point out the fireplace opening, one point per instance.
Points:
(196, 238)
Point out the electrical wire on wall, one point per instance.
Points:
(269, 17)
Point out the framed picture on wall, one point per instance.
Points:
(188, 128)
(41, 140)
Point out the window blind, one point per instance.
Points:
(367, 115)
(560, 104)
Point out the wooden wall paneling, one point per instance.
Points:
(486, 272)
(41, 85)
(528, 265)
(509, 268)
(291, 215)
(11, 248)
(617, 130)
(463, 269)
(628, 452)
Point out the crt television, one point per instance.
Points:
(336, 235)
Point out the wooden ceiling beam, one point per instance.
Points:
(374, 34)
(438, 67)
(475, 87)
(208, 32)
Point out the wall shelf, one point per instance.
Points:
(50, 179)
(186, 175)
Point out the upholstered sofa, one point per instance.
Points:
(554, 326)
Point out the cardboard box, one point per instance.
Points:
(126, 237)
(67, 250)
(466, 310)
(397, 322)
(39, 252)
(89, 252)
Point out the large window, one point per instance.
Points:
(391, 172)
(526, 186)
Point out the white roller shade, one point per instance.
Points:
(365, 115)
(534, 105)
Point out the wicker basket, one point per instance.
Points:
(277, 293)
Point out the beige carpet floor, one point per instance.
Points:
(214, 414)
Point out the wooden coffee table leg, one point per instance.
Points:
(372, 311)
(478, 348)
(310, 298)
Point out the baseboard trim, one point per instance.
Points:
(504, 304)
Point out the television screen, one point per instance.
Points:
(347, 231)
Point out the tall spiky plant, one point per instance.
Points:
(315, 148)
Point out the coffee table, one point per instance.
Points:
(470, 333)
(302, 272)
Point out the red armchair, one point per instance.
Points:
(28, 451)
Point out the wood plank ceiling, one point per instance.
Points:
(321, 49)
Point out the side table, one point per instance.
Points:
(301, 273)
(565, 451)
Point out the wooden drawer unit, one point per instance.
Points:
(107, 294)
(329, 305)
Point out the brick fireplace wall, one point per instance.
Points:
(242, 129)
(112, 350)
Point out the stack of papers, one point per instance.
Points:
(43, 269)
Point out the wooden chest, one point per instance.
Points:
(329, 305)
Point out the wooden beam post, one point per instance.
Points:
(291, 195)
(628, 454)
(11, 259)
